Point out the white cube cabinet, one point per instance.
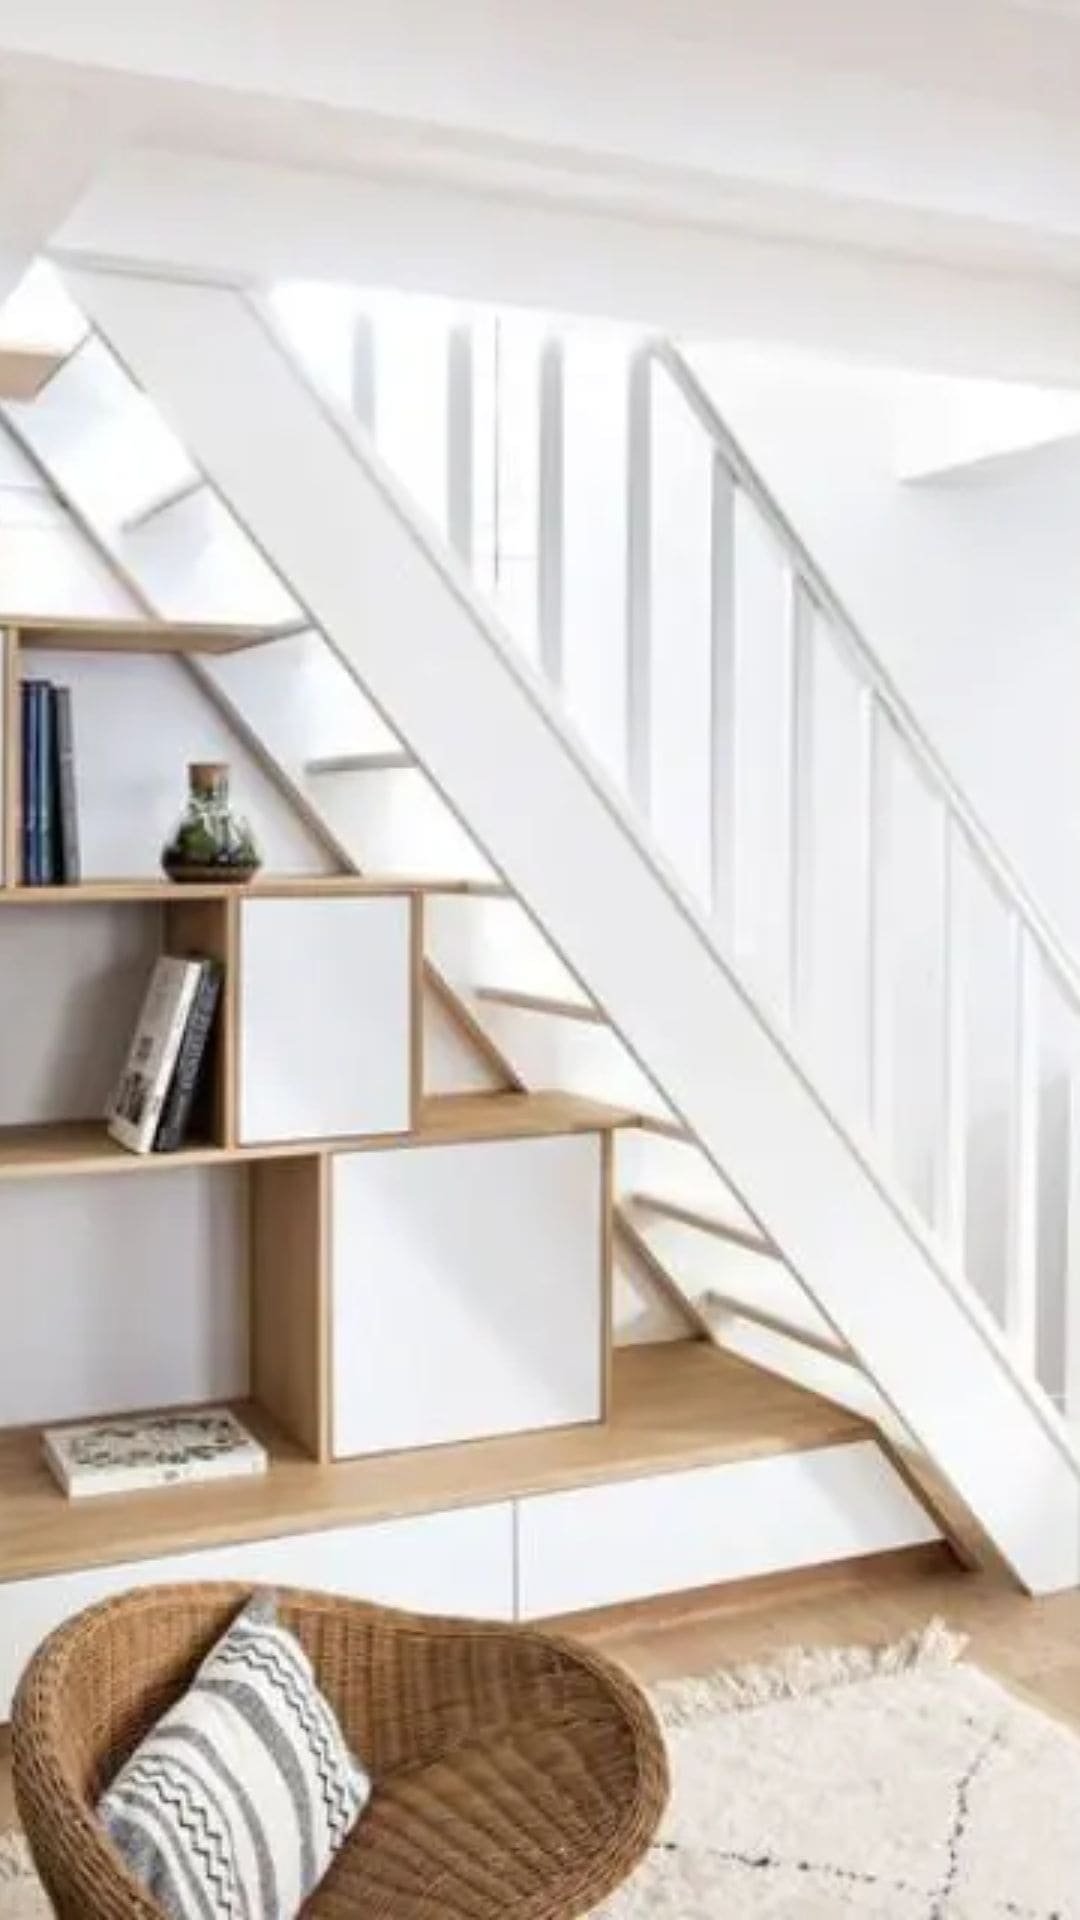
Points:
(326, 1025)
(469, 1291)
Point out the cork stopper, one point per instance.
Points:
(209, 779)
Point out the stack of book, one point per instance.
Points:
(50, 820)
(157, 1097)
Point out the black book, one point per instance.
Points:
(36, 795)
(29, 820)
(190, 1062)
(66, 827)
(45, 790)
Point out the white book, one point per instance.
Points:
(124, 1454)
(135, 1107)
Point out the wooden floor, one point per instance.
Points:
(1032, 1645)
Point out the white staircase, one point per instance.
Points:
(765, 907)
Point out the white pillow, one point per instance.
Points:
(237, 1801)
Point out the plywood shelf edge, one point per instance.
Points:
(80, 1147)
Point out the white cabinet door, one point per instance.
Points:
(468, 1291)
(595, 1546)
(460, 1562)
(325, 1018)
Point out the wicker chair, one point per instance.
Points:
(517, 1776)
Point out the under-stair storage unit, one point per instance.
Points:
(666, 957)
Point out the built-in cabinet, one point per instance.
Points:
(327, 1028)
(469, 1291)
(595, 1546)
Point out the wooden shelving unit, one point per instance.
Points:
(311, 955)
(674, 1407)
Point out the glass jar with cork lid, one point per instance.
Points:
(211, 841)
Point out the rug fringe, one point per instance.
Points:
(806, 1670)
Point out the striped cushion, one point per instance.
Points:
(235, 1804)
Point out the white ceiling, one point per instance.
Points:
(948, 129)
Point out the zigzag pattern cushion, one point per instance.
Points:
(235, 1804)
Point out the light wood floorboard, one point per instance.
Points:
(1032, 1645)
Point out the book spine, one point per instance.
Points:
(183, 1087)
(46, 786)
(67, 812)
(31, 780)
(26, 820)
(136, 1106)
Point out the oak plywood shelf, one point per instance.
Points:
(674, 1407)
(137, 636)
(84, 1147)
(152, 892)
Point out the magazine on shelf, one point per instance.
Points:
(135, 1108)
(126, 1454)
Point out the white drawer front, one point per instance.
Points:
(460, 1562)
(325, 1018)
(468, 1291)
(595, 1546)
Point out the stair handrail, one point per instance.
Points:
(996, 864)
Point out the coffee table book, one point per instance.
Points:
(151, 1450)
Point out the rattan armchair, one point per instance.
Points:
(517, 1775)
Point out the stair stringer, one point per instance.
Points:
(313, 495)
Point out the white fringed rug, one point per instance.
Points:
(896, 1785)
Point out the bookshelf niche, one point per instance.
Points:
(315, 1253)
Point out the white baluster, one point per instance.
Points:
(459, 439)
(639, 583)
(800, 777)
(950, 1185)
(877, 747)
(1022, 1253)
(1071, 1201)
(549, 585)
(724, 824)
